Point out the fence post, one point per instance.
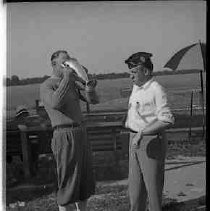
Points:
(124, 138)
(88, 107)
(26, 150)
(37, 105)
(114, 138)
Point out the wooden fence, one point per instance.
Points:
(105, 133)
(103, 137)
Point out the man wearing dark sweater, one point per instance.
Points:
(61, 99)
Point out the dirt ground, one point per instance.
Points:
(107, 198)
(38, 193)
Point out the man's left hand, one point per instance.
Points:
(92, 83)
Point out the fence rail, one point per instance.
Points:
(103, 137)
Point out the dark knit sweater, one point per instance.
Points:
(61, 101)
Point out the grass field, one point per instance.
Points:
(109, 92)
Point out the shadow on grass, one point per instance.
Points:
(184, 165)
(189, 205)
(114, 198)
(29, 193)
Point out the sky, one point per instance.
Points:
(101, 35)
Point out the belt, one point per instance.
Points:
(73, 125)
(132, 131)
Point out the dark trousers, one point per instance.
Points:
(146, 173)
(72, 155)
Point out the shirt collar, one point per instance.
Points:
(144, 86)
(147, 84)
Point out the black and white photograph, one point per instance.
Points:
(104, 106)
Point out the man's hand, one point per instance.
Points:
(81, 72)
(92, 83)
(67, 71)
(70, 74)
(137, 139)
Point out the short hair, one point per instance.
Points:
(57, 53)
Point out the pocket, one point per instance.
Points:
(147, 140)
(155, 148)
(55, 142)
(147, 108)
(68, 138)
(53, 145)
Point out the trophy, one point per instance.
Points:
(90, 85)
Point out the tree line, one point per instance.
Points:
(16, 81)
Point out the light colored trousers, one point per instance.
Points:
(146, 172)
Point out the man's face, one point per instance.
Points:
(57, 62)
(138, 75)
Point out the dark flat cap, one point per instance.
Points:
(140, 58)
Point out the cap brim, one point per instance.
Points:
(21, 112)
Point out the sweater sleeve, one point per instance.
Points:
(55, 98)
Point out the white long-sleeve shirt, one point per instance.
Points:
(147, 104)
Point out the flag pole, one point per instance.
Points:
(191, 114)
(202, 91)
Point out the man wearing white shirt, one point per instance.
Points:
(148, 116)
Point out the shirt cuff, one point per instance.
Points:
(166, 118)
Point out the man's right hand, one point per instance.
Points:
(137, 139)
(69, 73)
